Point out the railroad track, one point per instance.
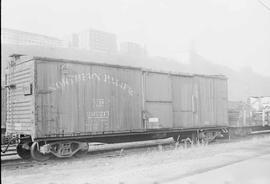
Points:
(10, 151)
(114, 150)
(95, 151)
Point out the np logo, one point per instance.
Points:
(84, 77)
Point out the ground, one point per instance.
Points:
(251, 171)
(247, 161)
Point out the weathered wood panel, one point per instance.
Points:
(221, 101)
(211, 97)
(205, 100)
(79, 98)
(162, 112)
(158, 87)
(158, 98)
(20, 97)
(182, 101)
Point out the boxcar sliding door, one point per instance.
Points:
(184, 101)
(158, 100)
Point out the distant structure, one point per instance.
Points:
(16, 37)
(71, 41)
(132, 49)
(94, 40)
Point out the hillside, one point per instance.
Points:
(241, 84)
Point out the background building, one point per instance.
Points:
(16, 37)
(71, 41)
(132, 49)
(96, 40)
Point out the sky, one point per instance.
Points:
(234, 33)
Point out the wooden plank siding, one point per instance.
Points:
(158, 99)
(20, 99)
(76, 98)
(73, 97)
(183, 93)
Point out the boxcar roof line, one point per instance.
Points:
(49, 59)
(84, 63)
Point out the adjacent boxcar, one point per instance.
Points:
(55, 105)
(245, 117)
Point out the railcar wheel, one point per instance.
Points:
(37, 155)
(23, 150)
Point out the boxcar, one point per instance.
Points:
(55, 106)
(245, 117)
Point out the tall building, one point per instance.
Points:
(16, 37)
(71, 41)
(99, 41)
(132, 49)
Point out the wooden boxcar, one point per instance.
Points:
(57, 104)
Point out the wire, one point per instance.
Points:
(262, 3)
